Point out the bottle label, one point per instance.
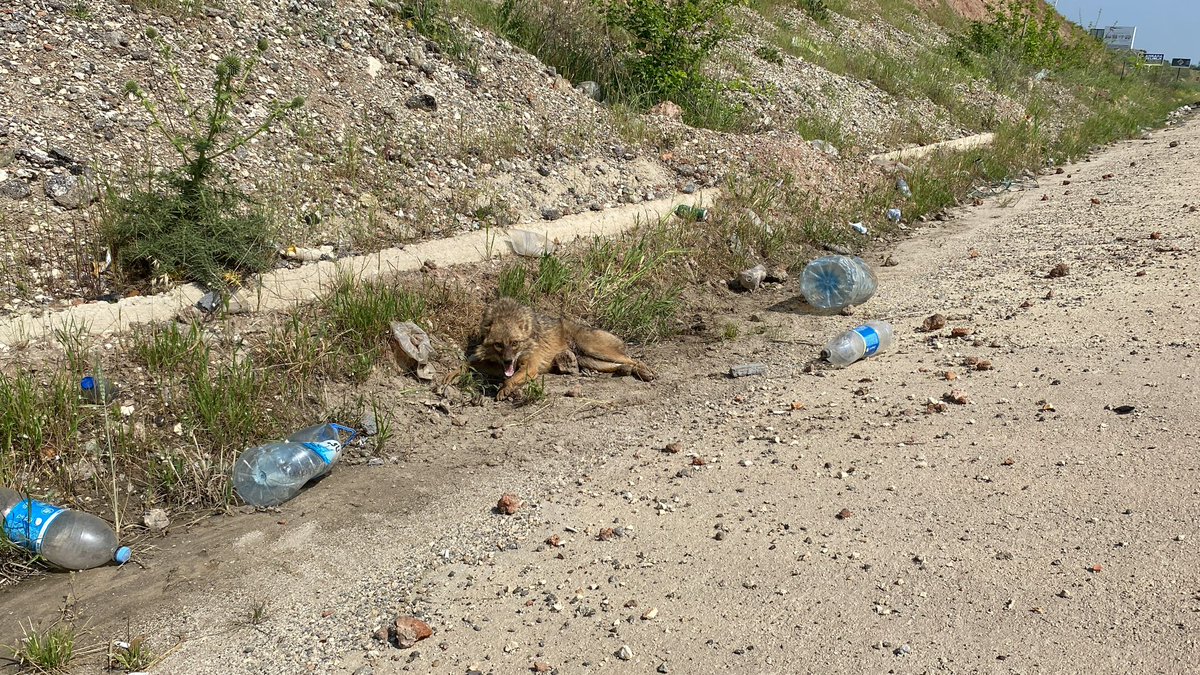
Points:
(869, 336)
(26, 523)
(328, 451)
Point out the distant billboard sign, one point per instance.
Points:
(1181, 63)
(1119, 37)
(1155, 59)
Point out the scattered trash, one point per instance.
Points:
(412, 349)
(934, 322)
(894, 215)
(508, 504)
(858, 343)
(97, 390)
(747, 370)
(307, 254)
(825, 147)
(902, 187)
(530, 244)
(272, 473)
(1041, 75)
(209, 302)
(71, 540)
(691, 213)
(859, 228)
(752, 278)
(836, 281)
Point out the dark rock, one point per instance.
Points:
(70, 192)
(590, 89)
(15, 188)
(551, 213)
(424, 102)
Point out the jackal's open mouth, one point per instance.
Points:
(511, 368)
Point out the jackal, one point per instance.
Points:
(523, 345)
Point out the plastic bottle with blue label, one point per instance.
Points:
(863, 342)
(837, 281)
(72, 540)
(271, 474)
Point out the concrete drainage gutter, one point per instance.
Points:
(956, 144)
(286, 288)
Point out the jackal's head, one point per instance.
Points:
(508, 334)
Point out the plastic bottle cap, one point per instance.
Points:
(88, 383)
(122, 555)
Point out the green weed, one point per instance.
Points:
(513, 283)
(132, 656)
(193, 222)
(48, 651)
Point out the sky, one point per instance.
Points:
(1170, 27)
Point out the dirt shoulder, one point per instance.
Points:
(1030, 529)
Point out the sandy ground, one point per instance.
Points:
(1032, 529)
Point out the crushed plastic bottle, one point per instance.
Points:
(894, 215)
(837, 281)
(859, 343)
(273, 473)
(859, 228)
(71, 540)
(902, 187)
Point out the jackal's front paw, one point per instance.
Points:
(506, 391)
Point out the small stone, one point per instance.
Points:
(508, 504)
(903, 650)
(540, 667)
(956, 397)
(408, 631)
(1065, 594)
(961, 331)
(650, 614)
(590, 89)
(674, 448)
(1060, 270)
(1173, 144)
(551, 213)
(15, 188)
(424, 102)
(934, 322)
(844, 514)
(662, 668)
(368, 422)
(68, 191)
(156, 520)
(624, 653)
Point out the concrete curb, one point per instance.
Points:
(964, 143)
(286, 288)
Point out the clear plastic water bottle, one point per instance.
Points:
(72, 540)
(271, 474)
(837, 281)
(859, 343)
(902, 186)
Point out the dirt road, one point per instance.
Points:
(1033, 528)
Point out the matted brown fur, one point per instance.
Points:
(515, 342)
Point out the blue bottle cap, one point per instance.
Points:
(122, 555)
(88, 383)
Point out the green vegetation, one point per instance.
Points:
(640, 52)
(193, 223)
(48, 651)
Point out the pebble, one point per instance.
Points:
(624, 653)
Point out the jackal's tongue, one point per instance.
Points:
(512, 367)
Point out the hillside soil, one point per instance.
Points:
(1029, 516)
